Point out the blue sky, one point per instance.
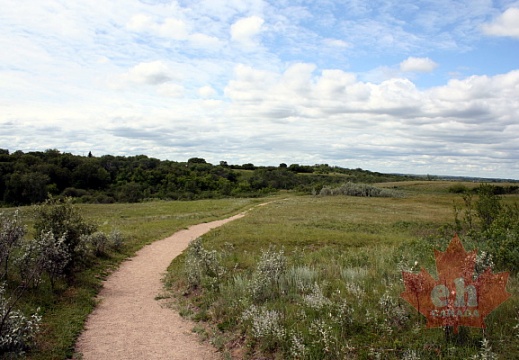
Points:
(426, 87)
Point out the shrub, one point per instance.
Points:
(97, 243)
(116, 240)
(11, 234)
(64, 221)
(488, 206)
(493, 226)
(265, 279)
(457, 188)
(17, 332)
(363, 190)
(299, 279)
(265, 325)
(202, 267)
(45, 254)
(316, 300)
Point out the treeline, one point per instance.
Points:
(496, 189)
(29, 178)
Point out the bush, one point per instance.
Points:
(116, 240)
(202, 267)
(493, 226)
(11, 233)
(17, 332)
(458, 189)
(266, 278)
(488, 206)
(63, 221)
(97, 243)
(363, 190)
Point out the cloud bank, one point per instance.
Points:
(385, 86)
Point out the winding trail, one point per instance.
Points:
(128, 323)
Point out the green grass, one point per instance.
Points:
(338, 295)
(65, 310)
(337, 292)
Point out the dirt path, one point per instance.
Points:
(129, 323)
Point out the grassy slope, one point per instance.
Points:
(335, 236)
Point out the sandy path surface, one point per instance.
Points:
(129, 323)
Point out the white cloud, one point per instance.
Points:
(204, 41)
(303, 96)
(333, 83)
(175, 29)
(413, 64)
(170, 90)
(140, 22)
(207, 91)
(172, 28)
(473, 111)
(145, 73)
(245, 30)
(336, 43)
(506, 24)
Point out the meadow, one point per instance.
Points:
(65, 308)
(320, 277)
(302, 277)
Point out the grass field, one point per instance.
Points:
(65, 310)
(303, 277)
(320, 278)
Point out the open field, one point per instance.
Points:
(65, 310)
(320, 278)
(436, 186)
(303, 277)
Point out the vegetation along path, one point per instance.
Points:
(129, 323)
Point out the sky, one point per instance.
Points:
(407, 86)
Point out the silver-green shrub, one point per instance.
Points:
(485, 353)
(298, 349)
(316, 299)
(264, 283)
(264, 323)
(17, 331)
(299, 279)
(362, 190)
(11, 234)
(394, 313)
(116, 240)
(324, 338)
(97, 243)
(64, 221)
(354, 274)
(45, 254)
(202, 267)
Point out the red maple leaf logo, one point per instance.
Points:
(457, 298)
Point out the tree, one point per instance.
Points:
(23, 188)
(196, 160)
(248, 166)
(90, 175)
(130, 192)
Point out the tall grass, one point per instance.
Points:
(320, 278)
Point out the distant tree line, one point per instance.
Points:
(29, 178)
